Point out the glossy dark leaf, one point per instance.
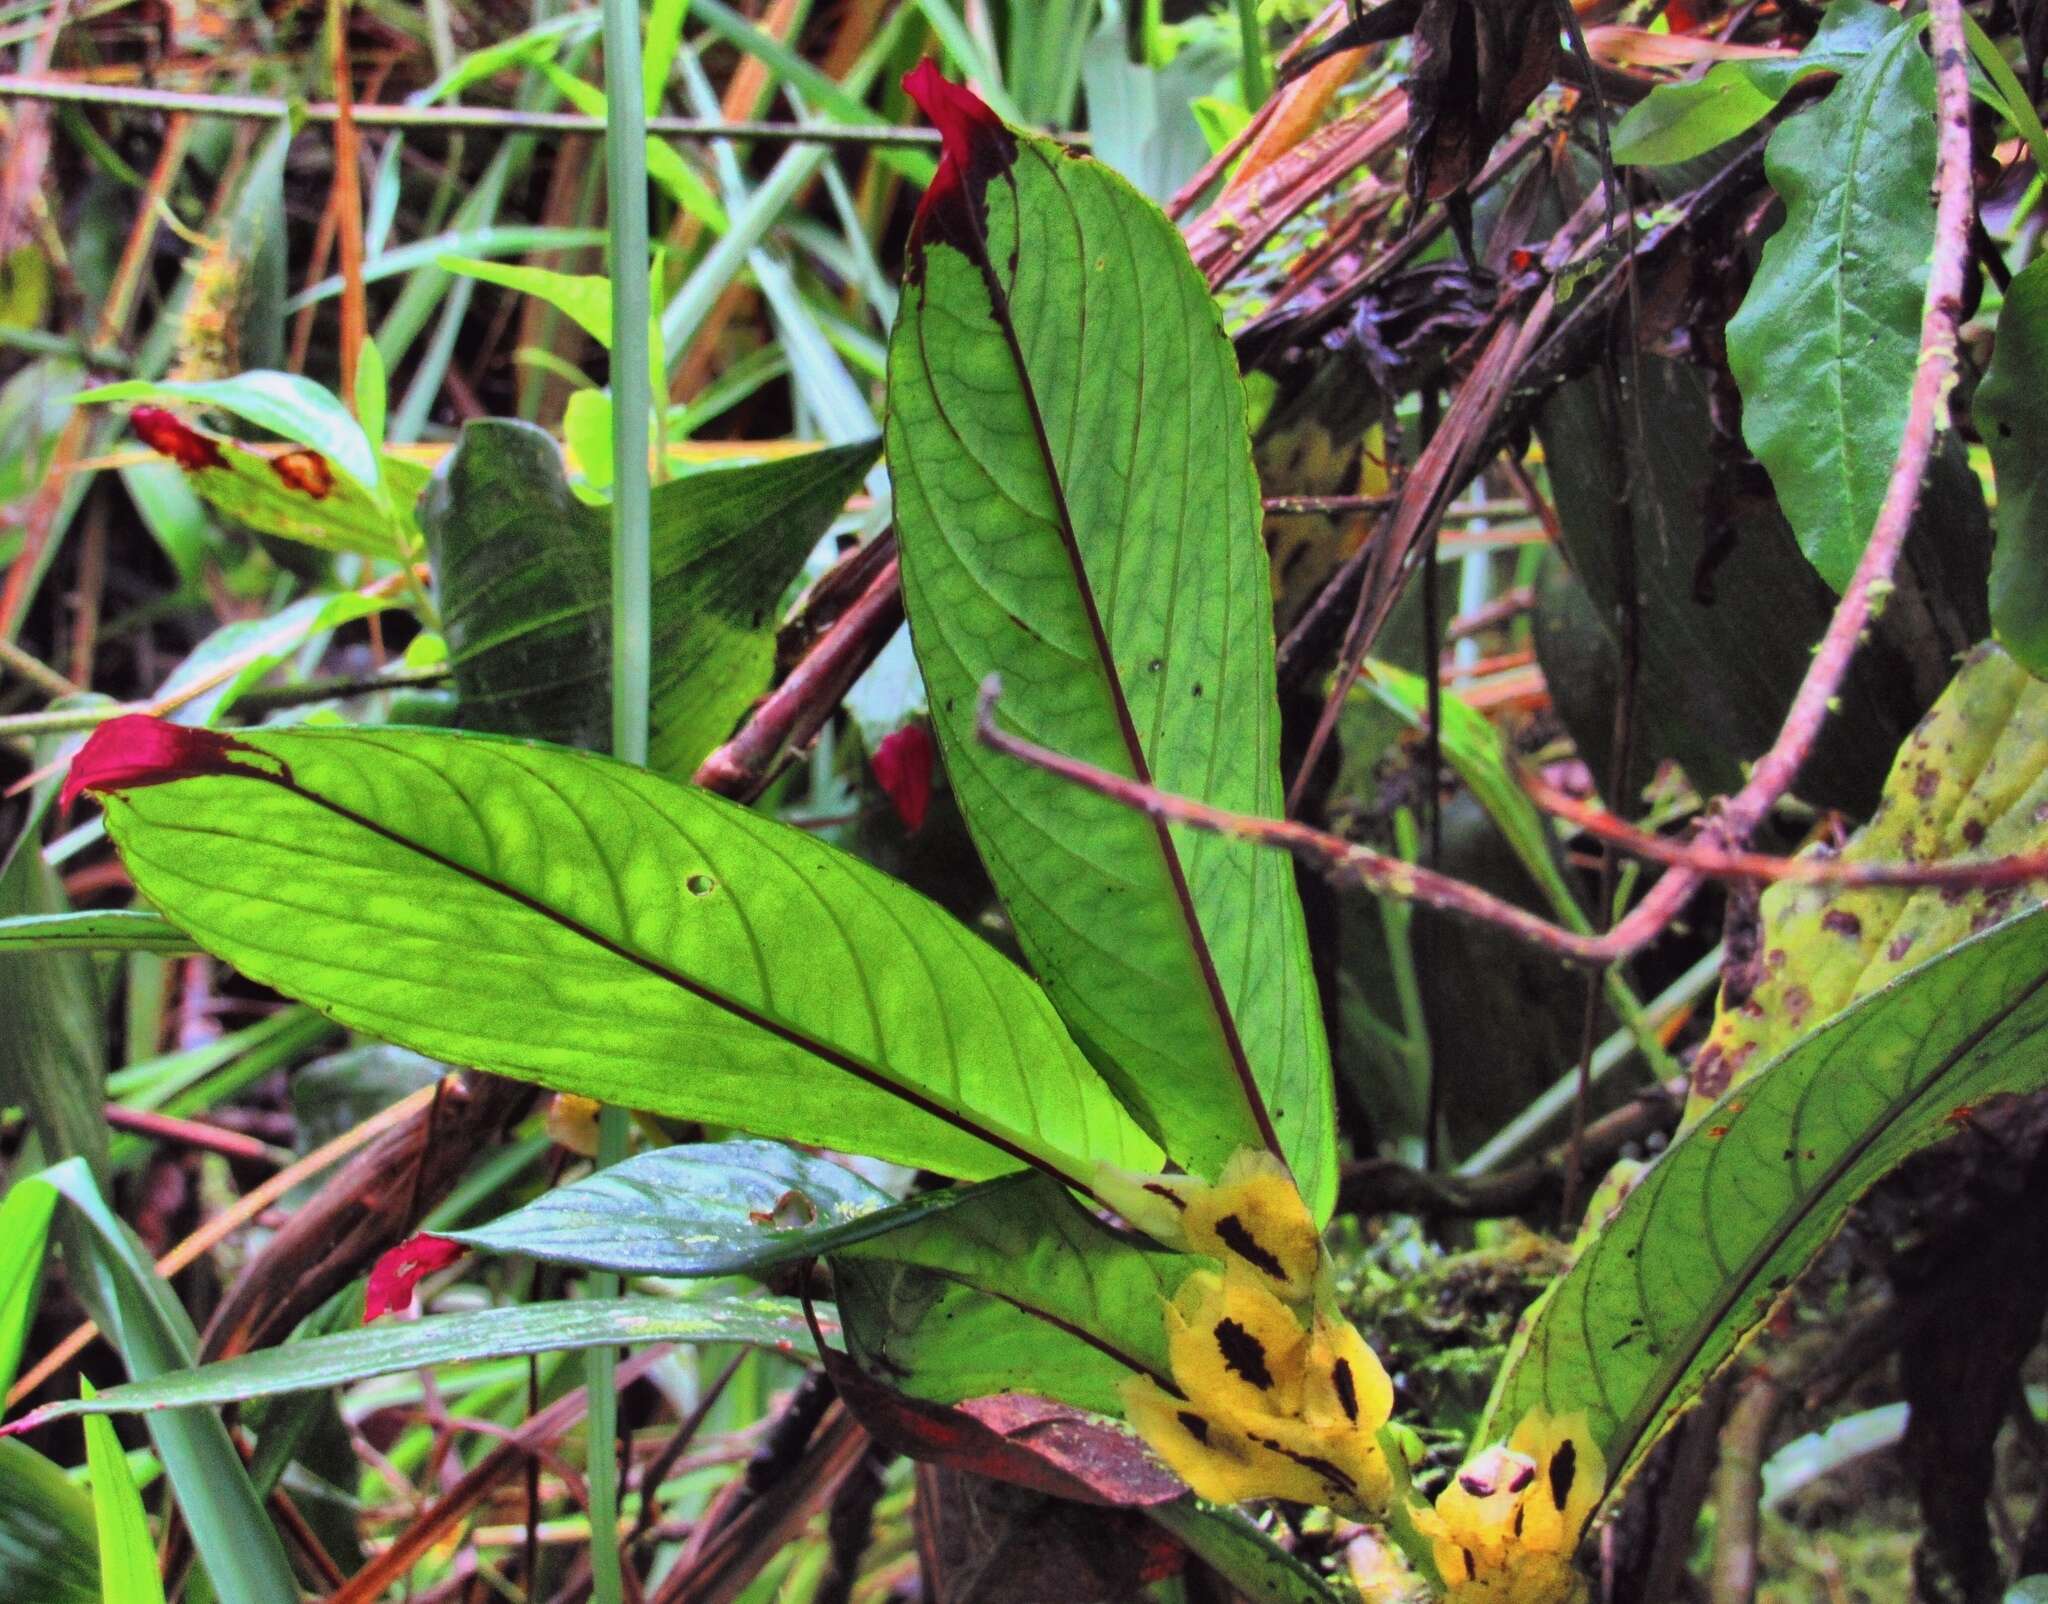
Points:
(521, 567)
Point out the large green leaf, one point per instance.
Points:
(1014, 1289)
(2012, 414)
(1693, 1261)
(440, 1339)
(1972, 779)
(1677, 122)
(1825, 345)
(1078, 512)
(714, 1208)
(47, 1548)
(522, 567)
(560, 918)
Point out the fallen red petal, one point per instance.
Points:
(136, 750)
(903, 768)
(167, 433)
(398, 1272)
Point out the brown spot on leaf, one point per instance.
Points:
(169, 435)
(1926, 782)
(306, 472)
(1973, 832)
(1900, 946)
(1841, 922)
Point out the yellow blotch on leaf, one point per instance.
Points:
(1505, 1529)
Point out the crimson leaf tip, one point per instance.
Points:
(977, 144)
(137, 749)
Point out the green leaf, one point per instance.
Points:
(1826, 343)
(1078, 512)
(24, 1235)
(151, 1331)
(440, 1339)
(522, 572)
(291, 407)
(567, 920)
(1969, 781)
(1692, 1263)
(93, 932)
(46, 1532)
(585, 299)
(713, 1208)
(1677, 122)
(1015, 1288)
(373, 394)
(128, 1571)
(1229, 1543)
(2012, 413)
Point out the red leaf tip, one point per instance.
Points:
(977, 144)
(170, 435)
(136, 750)
(398, 1272)
(903, 768)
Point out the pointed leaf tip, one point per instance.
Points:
(978, 145)
(137, 749)
(397, 1273)
(903, 768)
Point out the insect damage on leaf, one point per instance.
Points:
(169, 435)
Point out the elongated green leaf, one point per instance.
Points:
(715, 1208)
(521, 566)
(393, 1345)
(2012, 413)
(289, 406)
(93, 932)
(1825, 345)
(46, 1532)
(1078, 512)
(151, 1331)
(128, 1571)
(1693, 1261)
(24, 1235)
(560, 918)
(1014, 1289)
(294, 492)
(1677, 122)
(1972, 779)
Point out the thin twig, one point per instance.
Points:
(454, 119)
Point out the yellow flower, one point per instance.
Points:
(1268, 1408)
(1505, 1529)
(1251, 1217)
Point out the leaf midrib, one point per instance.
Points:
(1735, 1289)
(999, 310)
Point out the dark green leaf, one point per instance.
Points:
(1255, 1566)
(1694, 1260)
(563, 919)
(47, 1548)
(1680, 121)
(521, 566)
(1016, 1288)
(1078, 512)
(717, 1208)
(1828, 338)
(440, 1339)
(2012, 415)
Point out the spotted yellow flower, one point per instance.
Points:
(1252, 1217)
(1505, 1529)
(1268, 1407)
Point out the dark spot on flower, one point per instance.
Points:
(1564, 1466)
(1194, 1425)
(1347, 1390)
(1243, 1353)
(1234, 1235)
